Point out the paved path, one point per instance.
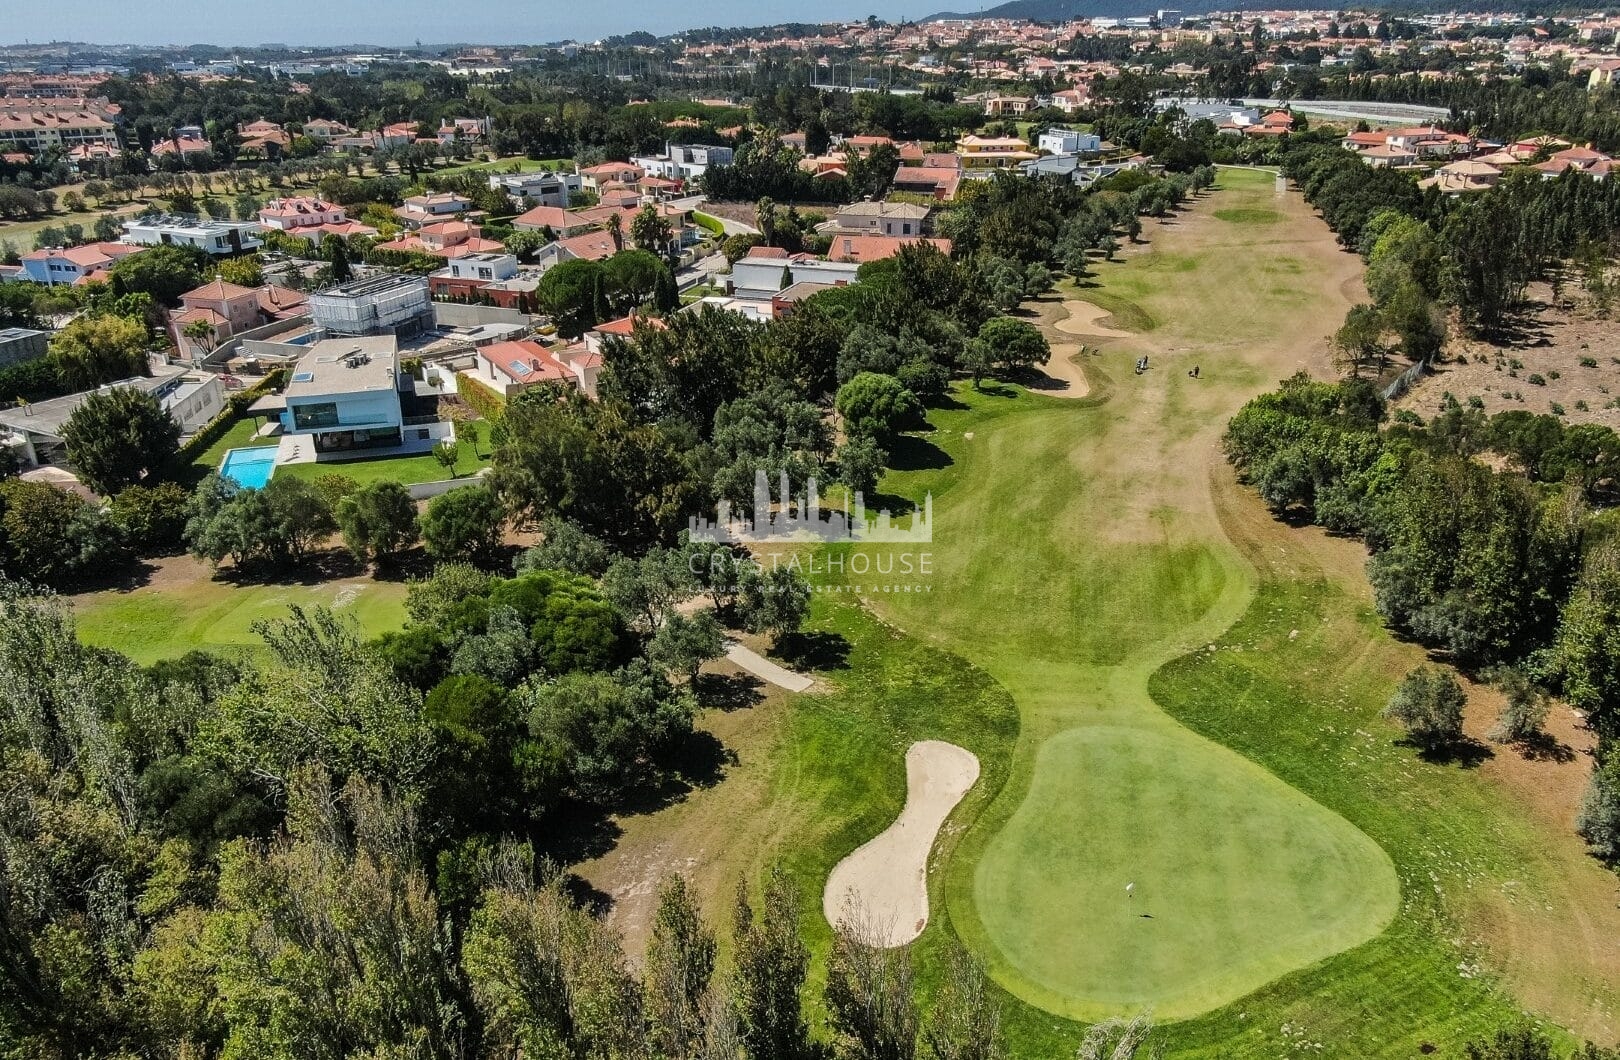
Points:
(764, 669)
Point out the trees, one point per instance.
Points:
(98, 348)
(860, 464)
(1524, 709)
(679, 969)
(336, 253)
(774, 601)
(447, 453)
(870, 998)
(770, 963)
(152, 519)
(965, 1021)
(567, 293)
(117, 437)
(1015, 344)
(1587, 647)
(650, 231)
(277, 525)
(682, 645)
(877, 406)
(1429, 705)
(164, 272)
(465, 523)
(377, 520)
(565, 547)
(50, 536)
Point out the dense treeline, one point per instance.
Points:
(1495, 242)
(207, 858)
(1517, 567)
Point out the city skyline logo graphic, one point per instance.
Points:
(803, 519)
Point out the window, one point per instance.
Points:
(905, 229)
(314, 416)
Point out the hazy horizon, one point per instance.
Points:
(303, 23)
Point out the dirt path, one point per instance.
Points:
(881, 890)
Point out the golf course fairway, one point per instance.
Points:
(1077, 550)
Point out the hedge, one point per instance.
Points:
(235, 406)
(709, 224)
(486, 400)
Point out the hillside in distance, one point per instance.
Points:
(1068, 10)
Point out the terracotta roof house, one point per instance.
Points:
(509, 367)
(445, 239)
(1454, 178)
(230, 309)
(935, 181)
(862, 249)
(1388, 155)
(73, 265)
(182, 146)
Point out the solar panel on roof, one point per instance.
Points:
(304, 377)
(519, 368)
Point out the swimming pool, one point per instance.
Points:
(249, 468)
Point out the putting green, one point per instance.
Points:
(1077, 550)
(1237, 877)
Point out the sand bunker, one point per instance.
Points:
(1082, 320)
(883, 886)
(1062, 375)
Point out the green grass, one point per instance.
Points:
(165, 621)
(241, 434)
(1182, 721)
(419, 467)
(1249, 216)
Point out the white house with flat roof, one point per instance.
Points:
(344, 394)
(389, 303)
(543, 187)
(1068, 142)
(214, 237)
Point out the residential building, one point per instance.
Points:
(508, 367)
(463, 129)
(55, 265)
(862, 249)
(992, 152)
(1068, 142)
(1455, 178)
(322, 130)
(40, 129)
(937, 181)
(1428, 142)
(787, 300)
(228, 310)
(378, 305)
(21, 344)
(1388, 155)
(881, 219)
(445, 239)
(544, 188)
(488, 278)
(419, 210)
(997, 105)
(683, 162)
(215, 237)
(344, 395)
(181, 145)
(765, 272)
(34, 431)
(1071, 100)
(300, 211)
(593, 177)
(1583, 159)
(1603, 74)
(264, 137)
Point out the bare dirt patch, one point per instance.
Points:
(1552, 342)
(883, 886)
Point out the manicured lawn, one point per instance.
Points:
(1165, 689)
(421, 467)
(1249, 216)
(192, 610)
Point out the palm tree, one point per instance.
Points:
(615, 227)
(200, 332)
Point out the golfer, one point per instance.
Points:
(1130, 890)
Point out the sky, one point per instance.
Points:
(402, 22)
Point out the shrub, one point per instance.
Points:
(489, 404)
(465, 523)
(1429, 704)
(151, 518)
(1535, 379)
